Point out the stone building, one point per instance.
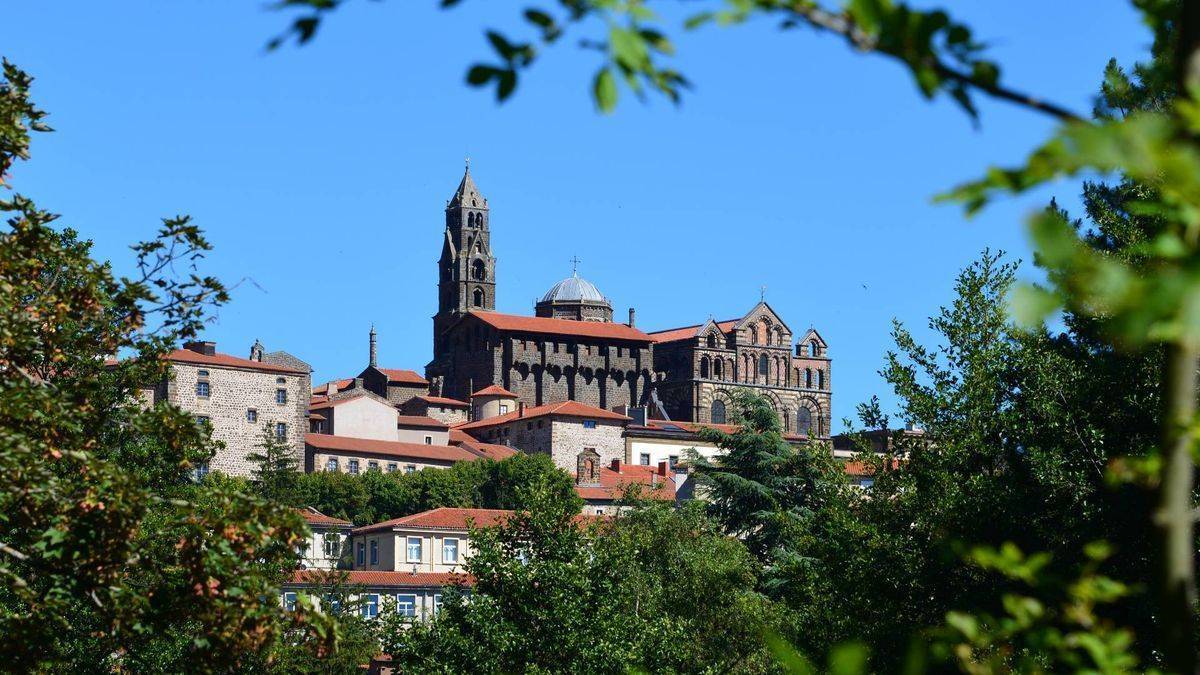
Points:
(566, 431)
(359, 455)
(447, 410)
(572, 350)
(239, 398)
(702, 364)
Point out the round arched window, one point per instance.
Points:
(717, 415)
(804, 420)
(478, 298)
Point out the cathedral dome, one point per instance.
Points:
(574, 289)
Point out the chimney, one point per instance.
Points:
(520, 408)
(632, 311)
(374, 349)
(638, 413)
(256, 351)
(204, 347)
(616, 465)
(663, 468)
(358, 383)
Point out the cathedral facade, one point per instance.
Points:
(572, 350)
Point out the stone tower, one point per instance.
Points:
(466, 269)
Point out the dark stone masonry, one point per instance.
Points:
(572, 350)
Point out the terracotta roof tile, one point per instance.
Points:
(315, 517)
(442, 519)
(565, 408)
(672, 334)
(494, 390)
(420, 421)
(401, 376)
(442, 400)
(444, 453)
(389, 579)
(227, 361)
(338, 385)
(547, 326)
(612, 484)
(488, 450)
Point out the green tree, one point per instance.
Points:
(104, 560)
(276, 471)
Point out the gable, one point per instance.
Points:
(758, 313)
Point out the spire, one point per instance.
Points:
(467, 194)
(373, 347)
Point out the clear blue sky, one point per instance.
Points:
(320, 173)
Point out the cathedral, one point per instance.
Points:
(572, 350)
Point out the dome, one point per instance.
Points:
(574, 289)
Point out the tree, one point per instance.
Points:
(655, 589)
(276, 469)
(103, 557)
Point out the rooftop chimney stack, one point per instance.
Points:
(616, 465)
(632, 312)
(204, 347)
(520, 408)
(374, 349)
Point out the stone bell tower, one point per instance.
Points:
(466, 269)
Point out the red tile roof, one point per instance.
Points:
(672, 334)
(488, 450)
(442, 400)
(694, 427)
(612, 484)
(227, 361)
(338, 385)
(443, 453)
(444, 518)
(373, 578)
(494, 390)
(315, 517)
(324, 402)
(565, 408)
(546, 326)
(859, 468)
(420, 421)
(401, 376)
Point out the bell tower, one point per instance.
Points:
(466, 269)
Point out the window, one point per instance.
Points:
(712, 341)
(762, 366)
(251, 415)
(200, 472)
(672, 460)
(820, 379)
(353, 466)
(477, 270)
(539, 424)
(599, 511)
(644, 460)
(333, 545)
(717, 414)
(280, 380)
(437, 603)
(360, 556)
(808, 378)
(704, 367)
(202, 389)
(281, 431)
(370, 608)
(450, 551)
(289, 601)
(281, 396)
(406, 604)
(410, 468)
(392, 466)
(589, 424)
(202, 420)
(429, 440)
(803, 420)
(372, 466)
(503, 408)
(477, 299)
(414, 549)
(374, 552)
(331, 464)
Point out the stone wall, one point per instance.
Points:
(570, 437)
(232, 392)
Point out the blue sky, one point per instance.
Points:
(320, 173)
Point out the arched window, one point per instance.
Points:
(820, 379)
(787, 422)
(718, 412)
(719, 368)
(803, 420)
(763, 366)
(814, 348)
(712, 341)
(477, 270)
(808, 378)
(471, 220)
(478, 297)
(704, 367)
